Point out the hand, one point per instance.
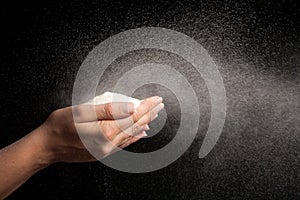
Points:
(109, 128)
(114, 126)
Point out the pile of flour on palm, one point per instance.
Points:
(108, 97)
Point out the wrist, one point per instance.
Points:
(40, 147)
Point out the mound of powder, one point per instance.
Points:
(108, 97)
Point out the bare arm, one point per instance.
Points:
(57, 140)
(21, 160)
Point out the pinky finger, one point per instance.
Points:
(134, 139)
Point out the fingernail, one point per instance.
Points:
(155, 116)
(145, 134)
(161, 106)
(159, 100)
(147, 128)
(141, 135)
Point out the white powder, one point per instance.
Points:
(108, 97)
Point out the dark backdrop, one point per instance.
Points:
(257, 48)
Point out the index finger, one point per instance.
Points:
(113, 110)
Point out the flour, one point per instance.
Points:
(108, 97)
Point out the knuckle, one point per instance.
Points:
(125, 136)
(108, 109)
(146, 119)
(136, 116)
(135, 129)
(109, 135)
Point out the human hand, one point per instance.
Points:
(114, 126)
(63, 137)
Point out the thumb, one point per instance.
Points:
(114, 110)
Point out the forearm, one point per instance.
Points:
(57, 139)
(20, 160)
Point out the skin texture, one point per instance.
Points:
(116, 124)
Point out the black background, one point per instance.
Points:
(256, 45)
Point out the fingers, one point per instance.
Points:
(128, 133)
(91, 134)
(114, 110)
(145, 108)
(150, 116)
(138, 129)
(121, 131)
(133, 139)
(141, 134)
